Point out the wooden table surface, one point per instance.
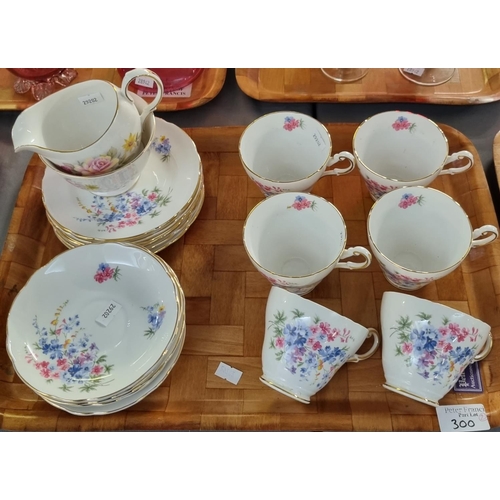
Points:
(225, 305)
(467, 86)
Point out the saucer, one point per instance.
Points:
(94, 322)
(167, 184)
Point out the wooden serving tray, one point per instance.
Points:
(226, 299)
(467, 86)
(208, 84)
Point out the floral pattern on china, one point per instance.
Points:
(408, 199)
(105, 272)
(267, 190)
(103, 163)
(301, 203)
(402, 123)
(404, 281)
(156, 314)
(305, 348)
(376, 189)
(113, 213)
(65, 354)
(292, 123)
(162, 146)
(434, 350)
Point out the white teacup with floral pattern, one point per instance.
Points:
(420, 234)
(426, 346)
(306, 344)
(114, 182)
(295, 240)
(289, 151)
(397, 149)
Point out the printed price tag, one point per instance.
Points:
(109, 312)
(145, 81)
(414, 71)
(183, 92)
(228, 373)
(470, 380)
(462, 418)
(91, 99)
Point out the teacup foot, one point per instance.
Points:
(286, 392)
(398, 390)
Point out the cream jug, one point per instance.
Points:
(86, 122)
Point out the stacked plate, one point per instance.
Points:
(98, 328)
(153, 214)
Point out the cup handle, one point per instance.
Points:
(361, 357)
(486, 349)
(480, 232)
(458, 156)
(344, 155)
(135, 73)
(356, 251)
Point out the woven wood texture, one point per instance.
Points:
(226, 299)
(468, 86)
(205, 88)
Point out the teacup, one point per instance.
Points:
(426, 346)
(399, 149)
(420, 234)
(288, 151)
(122, 179)
(295, 240)
(86, 123)
(306, 344)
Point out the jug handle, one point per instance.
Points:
(135, 73)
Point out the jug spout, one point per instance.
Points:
(26, 132)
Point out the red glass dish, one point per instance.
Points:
(172, 78)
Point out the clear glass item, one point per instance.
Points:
(41, 81)
(345, 75)
(428, 76)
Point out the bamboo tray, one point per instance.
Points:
(468, 86)
(226, 299)
(205, 88)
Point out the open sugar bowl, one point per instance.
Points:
(119, 180)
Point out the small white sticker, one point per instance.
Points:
(319, 140)
(145, 81)
(183, 92)
(228, 373)
(109, 312)
(91, 99)
(462, 418)
(414, 71)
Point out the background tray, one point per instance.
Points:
(467, 86)
(204, 89)
(226, 299)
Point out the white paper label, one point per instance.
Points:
(109, 312)
(319, 140)
(228, 373)
(91, 99)
(414, 71)
(145, 81)
(183, 92)
(462, 418)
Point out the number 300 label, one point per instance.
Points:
(462, 418)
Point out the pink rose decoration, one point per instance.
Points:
(98, 165)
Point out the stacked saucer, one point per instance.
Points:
(98, 328)
(153, 214)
